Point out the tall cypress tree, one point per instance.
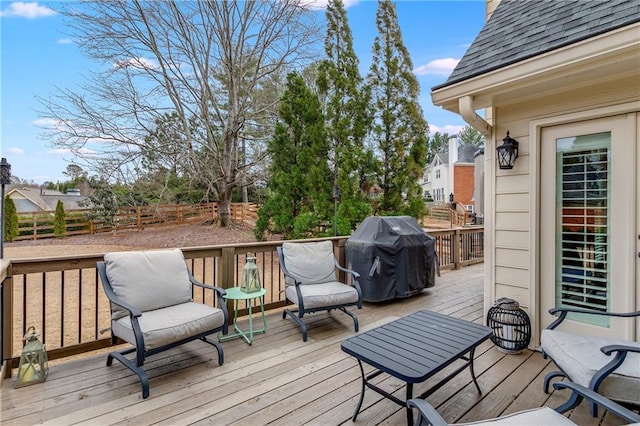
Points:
(10, 219)
(300, 184)
(345, 103)
(59, 220)
(399, 131)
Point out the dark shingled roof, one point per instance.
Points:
(519, 30)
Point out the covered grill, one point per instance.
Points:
(394, 256)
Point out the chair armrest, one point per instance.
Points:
(427, 415)
(578, 392)
(565, 310)
(348, 271)
(608, 350)
(219, 290)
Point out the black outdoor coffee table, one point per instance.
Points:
(413, 349)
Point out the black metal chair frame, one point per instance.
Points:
(301, 310)
(428, 416)
(141, 353)
(619, 351)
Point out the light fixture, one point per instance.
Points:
(250, 276)
(5, 179)
(510, 325)
(33, 367)
(507, 153)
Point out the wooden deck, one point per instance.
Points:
(281, 380)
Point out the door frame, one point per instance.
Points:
(535, 132)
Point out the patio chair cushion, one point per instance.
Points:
(326, 294)
(171, 324)
(313, 263)
(533, 417)
(579, 356)
(148, 280)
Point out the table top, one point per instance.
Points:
(417, 346)
(236, 293)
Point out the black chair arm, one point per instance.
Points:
(219, 290)
(113, 298)
(565, 310)
(348, 271)
(427, 415)
(578, 392)
(608, 350)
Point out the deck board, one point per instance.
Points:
(281, 380)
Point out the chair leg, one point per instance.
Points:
(218, 347)
(549, 377)
(352, 315)
(297, 319)
(144, 380)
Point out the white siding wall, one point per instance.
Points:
(511, 243)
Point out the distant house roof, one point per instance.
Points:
(37, 199)
(519, 30)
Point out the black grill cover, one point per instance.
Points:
(394, 256)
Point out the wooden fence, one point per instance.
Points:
(41, 224)
(63, 298)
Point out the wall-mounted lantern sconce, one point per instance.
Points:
(507, 153)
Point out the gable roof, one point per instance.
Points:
(519, 30)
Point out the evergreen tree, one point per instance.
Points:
(300, 185)
(59, 221)
(345, 104)
(438, 144)
(399, 129)
(470, 136)
(10, 219)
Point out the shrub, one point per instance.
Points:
(10, 219)
(59, 221)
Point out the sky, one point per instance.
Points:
(38, 58)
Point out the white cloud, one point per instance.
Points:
(437, 66)
(29, 10)
(63, 152)
(451, 129)
(47, 123)
(64, 41)
(140, 63)
(15, 151)
(322, 4)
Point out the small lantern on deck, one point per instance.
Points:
(33, 366)
(250, 276)
(511, 326)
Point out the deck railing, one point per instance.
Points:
(63, 298)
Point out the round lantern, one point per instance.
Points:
(511, 326)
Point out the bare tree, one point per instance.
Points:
(215, 64)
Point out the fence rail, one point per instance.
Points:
(62, 296)
(41, 224)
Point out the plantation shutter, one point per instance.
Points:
(582, 222)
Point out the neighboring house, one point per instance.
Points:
(34, 200)
(448, 174)
(562, 227)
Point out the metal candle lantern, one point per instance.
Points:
(250, 276)
(511, 326)
(33, 367)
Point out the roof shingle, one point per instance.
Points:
(519, 30)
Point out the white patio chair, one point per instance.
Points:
(608, 366)
(428, 416)
(152, 306)
(311, 283)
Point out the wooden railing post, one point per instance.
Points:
(6, 302)
(226, 273)
(456, 248)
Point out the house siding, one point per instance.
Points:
(514, 190)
